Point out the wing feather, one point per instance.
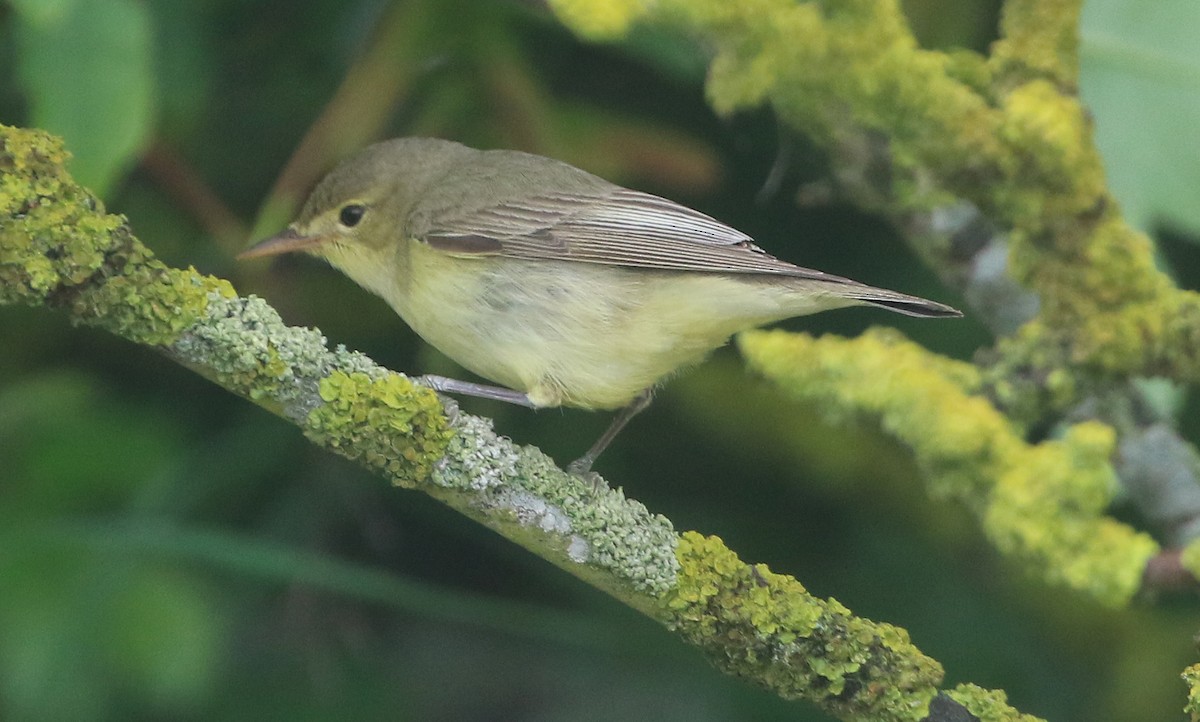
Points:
(621, 227)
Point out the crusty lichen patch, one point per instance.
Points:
(53, 233)
(767, 628)
(522, 492)
(1191, 677)
(245, 346)
(1042, 504)
(58, 246)
(476, 458)
(989, 705)
(149, 303)
(386, 423)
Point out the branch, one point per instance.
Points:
(59, 249)
(1042, 504)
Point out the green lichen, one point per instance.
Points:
(767, 628)
(1106, 313)
(476, 458)
(1103, 267)
(601, 535)
(1051, 133)
(1191, 677)
(1041, 504)
(587, 528)
(522, 493)
(53, 233)
(987, 704)
(781, 52)
(149, 303)
(246, 347)
(1040, 38)
(387, 424)
(1001, 133)
(610, 531)
(58, 246)
(1046, 510)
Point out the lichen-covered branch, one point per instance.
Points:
(1042, 504)
(991, 171)
(748, 620)
(59, 249)
(987, 162)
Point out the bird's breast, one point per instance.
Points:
(578, 334)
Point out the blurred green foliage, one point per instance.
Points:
(168, 551)
(1141, 77)
(75, 58)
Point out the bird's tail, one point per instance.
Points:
(899, 302)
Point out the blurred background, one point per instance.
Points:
(169, 551)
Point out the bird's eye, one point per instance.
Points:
(351, 215)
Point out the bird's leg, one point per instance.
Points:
(583, 465)
(496, 393)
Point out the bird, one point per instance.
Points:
(560, 287)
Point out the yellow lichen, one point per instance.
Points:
(767, 627)
(988, 705)
(149, 303)
(1040, 38)
(53, 233)
(56, 240)
(1191, 677)
(1041, 504)
(1051, 133)
(359, 412)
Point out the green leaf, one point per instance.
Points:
(87, 69)
(1141, 78)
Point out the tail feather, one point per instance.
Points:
(902, 303)
(917, 307)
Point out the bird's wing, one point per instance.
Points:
(620, 227)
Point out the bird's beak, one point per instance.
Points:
(286, 241)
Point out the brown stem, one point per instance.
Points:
(176, 176)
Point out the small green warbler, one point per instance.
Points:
(563, 288)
